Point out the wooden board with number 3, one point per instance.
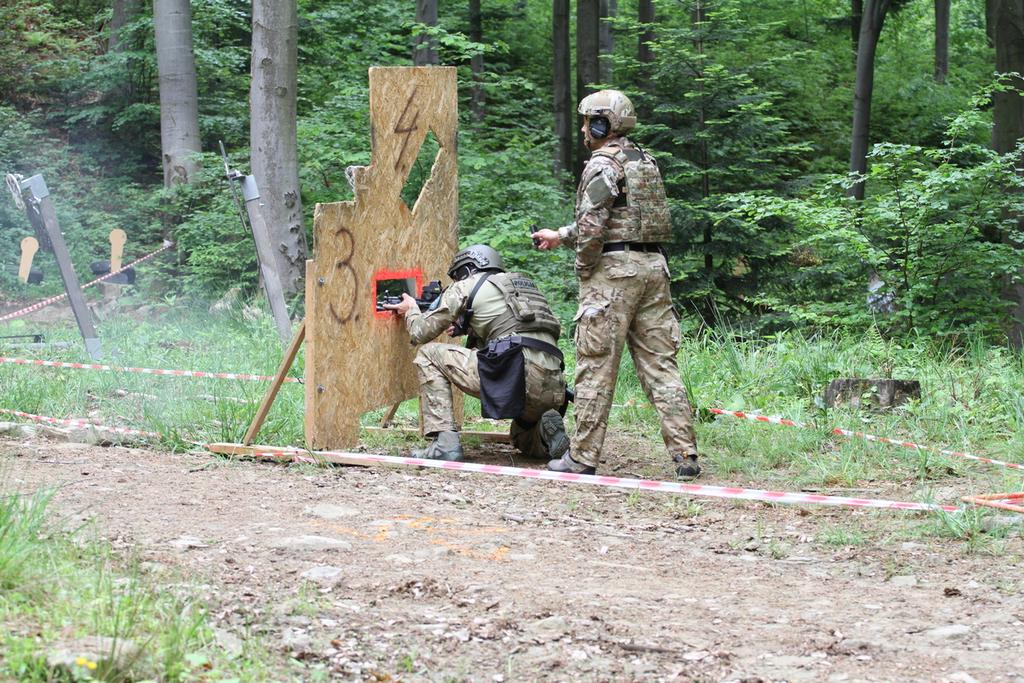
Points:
(357, 359)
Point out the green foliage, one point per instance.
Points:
(909, 106)
(715, 132)
(339, 41)
(88, 203)
(213, 243)
(932, 227)
(333, 136)
(503, 193)
(40, 50)
(755, 97)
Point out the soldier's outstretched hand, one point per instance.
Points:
(546, 239)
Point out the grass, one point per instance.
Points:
(841, 536)
(59, 586)
(971, 396)
(971, 400)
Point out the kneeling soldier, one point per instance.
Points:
(511, 360)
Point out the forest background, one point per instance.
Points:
(750, 106)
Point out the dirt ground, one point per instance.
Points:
(425, 575)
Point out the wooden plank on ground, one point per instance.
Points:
(486, 437)
(288, 454)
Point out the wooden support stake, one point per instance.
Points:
(389, 416)
(282, 371)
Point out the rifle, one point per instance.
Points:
(431, 293)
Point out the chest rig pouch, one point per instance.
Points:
(526, 308)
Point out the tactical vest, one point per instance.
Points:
(526, 309)
(644, 217)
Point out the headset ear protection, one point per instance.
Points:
(599, 127)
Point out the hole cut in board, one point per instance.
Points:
(419, 172)
(388, 287)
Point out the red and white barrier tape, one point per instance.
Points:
(145, 371)
(717, 411)
(72, 422)
(54, 299)
(785, 497)
(868, 437)
(728, 492)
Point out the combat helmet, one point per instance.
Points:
(614, 106)
(475, 258)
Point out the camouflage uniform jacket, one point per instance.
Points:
(600, 185)
(490, 312)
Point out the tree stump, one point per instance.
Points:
(871, 393)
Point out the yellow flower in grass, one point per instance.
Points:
(87, 663)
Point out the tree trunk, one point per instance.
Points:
(870, 30)
(941, 40)
(562, 86)
(644, 53)
(1005, 19)
(606, 38)
(179, 99)
(123, 12)
(856, 18)
(272, 129)
(425, 51)
(587, 70)
(698, 15)
(1005, 24)
(476, 62)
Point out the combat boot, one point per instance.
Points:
(567, 464)
(445, 446)
(552, 433)
(686, 466)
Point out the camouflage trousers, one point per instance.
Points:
(442, 365)
(626, 301)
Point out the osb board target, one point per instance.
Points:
(358, 360)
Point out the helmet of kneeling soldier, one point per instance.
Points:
(478, 257)
(612, 105)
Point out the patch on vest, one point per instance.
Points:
(523, 283)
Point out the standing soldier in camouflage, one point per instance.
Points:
(622, 217)
(510, 361)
